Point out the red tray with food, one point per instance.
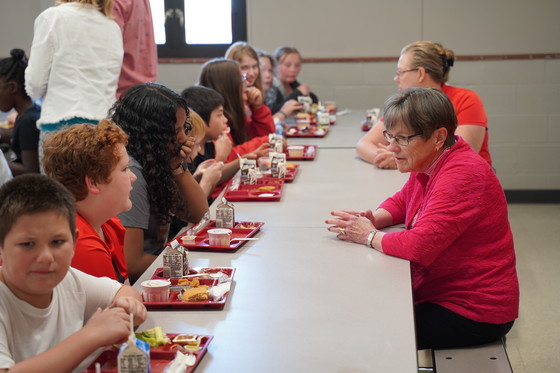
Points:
(160, 356)
(291, 172)
(366, 126)
(266, 189)
(195, 290)
(311, 131)
(308, 154)
(241, 230)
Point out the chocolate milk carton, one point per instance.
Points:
(225, 214)
(175, 260)
(276, 142)
(248, 171)
(278, 165)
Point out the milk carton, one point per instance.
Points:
(248, 171)
(225, 214)
(278, 165)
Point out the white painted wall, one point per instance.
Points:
(522, 97)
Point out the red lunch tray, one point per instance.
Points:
(160, 357)
(309, 153)
(291, 173)
(312, 132)
(175, 296)
(241, 229)
(266, 189)
(366, 127)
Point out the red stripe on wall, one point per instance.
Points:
(490, 57)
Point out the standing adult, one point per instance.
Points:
(139, 65)
(74, 64)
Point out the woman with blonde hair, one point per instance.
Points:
(245, 54)
(427, 64)
(274, 99)
(75, 62)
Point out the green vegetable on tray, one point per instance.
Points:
(154, 337)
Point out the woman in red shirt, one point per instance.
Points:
(457, 235)
(427, 64)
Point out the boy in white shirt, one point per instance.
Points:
(52, 317)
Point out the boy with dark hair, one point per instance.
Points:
(53, 317)
(203, 100)
(209, 104)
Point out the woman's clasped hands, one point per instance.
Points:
(352, 226)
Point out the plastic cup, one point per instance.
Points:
(295, 151)
(187, 339)
(264, 164)
(188, 240)
(206, 164)
(330, 106)
(219, 237)
(155, 290)
(303, 122)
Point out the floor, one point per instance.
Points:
(533, 343)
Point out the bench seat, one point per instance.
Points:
(490, 358)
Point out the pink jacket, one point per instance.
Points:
(460, 244)
(140, 61)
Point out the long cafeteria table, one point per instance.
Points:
(302, 300)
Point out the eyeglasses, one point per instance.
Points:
(399, 73)
(401, 140)
(187, 126)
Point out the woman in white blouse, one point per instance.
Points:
(74, 64)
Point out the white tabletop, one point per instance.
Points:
(337, 179)
(302, 300)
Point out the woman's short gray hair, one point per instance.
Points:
(422, 110)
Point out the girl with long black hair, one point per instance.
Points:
(156, 120)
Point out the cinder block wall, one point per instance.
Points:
(522, 97)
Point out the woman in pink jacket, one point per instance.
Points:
(457, 234)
